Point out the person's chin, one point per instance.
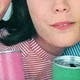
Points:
(66, 44)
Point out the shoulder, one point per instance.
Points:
(20, 46)
(25, 47)
(73, 50)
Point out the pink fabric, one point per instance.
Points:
(3, 33)
(37, 62)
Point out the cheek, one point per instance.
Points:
(76, 10)
(36, 8)
(4, 4)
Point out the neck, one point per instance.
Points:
(49, 48)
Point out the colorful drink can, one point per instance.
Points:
(66, 68)
(11, 67)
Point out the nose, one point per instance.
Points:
(60, 6)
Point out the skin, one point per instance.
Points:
(4, 4)
(47, 12)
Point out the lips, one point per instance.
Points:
(63, 25)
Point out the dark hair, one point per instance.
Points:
(19, 26)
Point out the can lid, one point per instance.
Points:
(67, 61)
(9, 51)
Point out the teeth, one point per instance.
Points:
(63, 25)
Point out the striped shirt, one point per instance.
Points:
(36, 61)
(74, 50)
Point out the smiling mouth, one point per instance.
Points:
(63, 25)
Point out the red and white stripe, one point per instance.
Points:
(37, 62)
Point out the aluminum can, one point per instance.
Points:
(11, 67)
(66, 68)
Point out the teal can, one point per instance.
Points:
(66, 68)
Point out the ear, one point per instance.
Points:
(8, 13)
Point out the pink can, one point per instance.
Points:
(11, 66)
